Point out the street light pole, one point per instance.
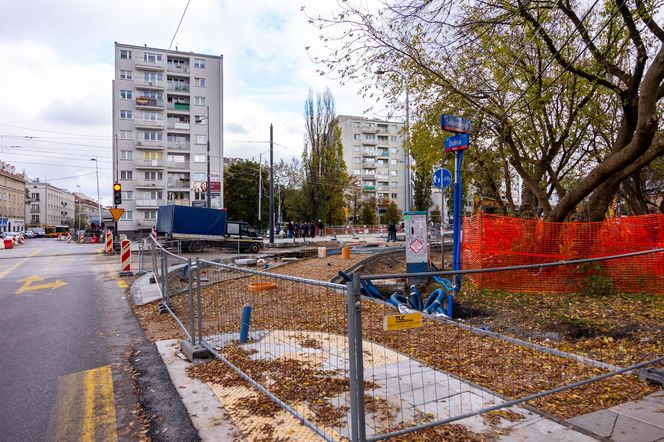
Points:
(98, 198)
(209, 206)
(78, 217)
(271, 223)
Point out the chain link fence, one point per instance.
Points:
(339, 358)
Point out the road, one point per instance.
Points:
(66, 333)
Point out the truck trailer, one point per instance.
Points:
(197, 228)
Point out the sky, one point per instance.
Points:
(55, 83)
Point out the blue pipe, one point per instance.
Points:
(244, 327)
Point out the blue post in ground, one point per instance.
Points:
(244, 327)
(458, 204)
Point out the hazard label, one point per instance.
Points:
(416, 246)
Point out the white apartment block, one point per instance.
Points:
(49, 205)
(373, 152)
(167, 106)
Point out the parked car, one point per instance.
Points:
(29, 234)
(39, 233)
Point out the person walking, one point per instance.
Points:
(321, 228)
(392, 232)
(289, 227)
(305, 230)
(312, 229)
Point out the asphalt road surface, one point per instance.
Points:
(66, 332)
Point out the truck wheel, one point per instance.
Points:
(197, 246)
(254, 247)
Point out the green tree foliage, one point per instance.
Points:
(241, 192)
(324, 168)
(393, 213)
(368, 215)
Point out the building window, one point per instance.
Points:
(393, 150)
(151, 57)
(153, 116)
(125, 94)
(35, 219)
(125, 55)
(34, 197)
(126, 174)
(153, 136)
(125, 155)
(127, 195)
(394, 173)
(199, 101)
(357, 160)
(393, 161)
(357, 136)
(126, 135)
(200, 177)
(153, 156)
(357, 171)
(393, 139)
(127, 215)
(199, 63)
(150, 215)
(200, 82)
(356, 124)
(201, 139)
(152, 194)
(369, 137)
(153, 76)
(395, 184)
(394, 196)
(357, 148)
(125, 115)
(200, 119)
(199, 158)
(125, 75)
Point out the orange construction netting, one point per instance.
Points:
(498, 241)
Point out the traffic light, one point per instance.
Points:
(117, 194)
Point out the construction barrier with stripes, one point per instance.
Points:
(498, 241)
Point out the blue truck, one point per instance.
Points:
(197, 228)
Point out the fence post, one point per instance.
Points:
(164, 277)
(190, 282)
(355, 358)
(198, 303)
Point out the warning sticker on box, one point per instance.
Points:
(416, 246)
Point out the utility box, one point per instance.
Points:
(417, 245)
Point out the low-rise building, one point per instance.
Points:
(87, 210)
(49, 205)
(12, 199)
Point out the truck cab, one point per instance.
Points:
(241, 235)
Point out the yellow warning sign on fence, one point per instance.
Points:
(402, 322)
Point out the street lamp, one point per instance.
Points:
(200, 120)
(78, 217)
(98, 198)
(407, 186)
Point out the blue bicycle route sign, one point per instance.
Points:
(452, 123)
(457, 142)
(442, 178)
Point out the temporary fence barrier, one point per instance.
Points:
(497, 241)
(109, 242)
(358, 367)
(125, 256)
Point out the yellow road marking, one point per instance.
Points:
(85, 407)
(114, 275)
(15, 266)
(28, 287)
(122, 284)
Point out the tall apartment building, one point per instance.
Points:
(12, 199)
(373, 152)
(167, 106)
(49, 205)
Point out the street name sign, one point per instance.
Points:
(442, 178)
(457, 142)
(452, 123)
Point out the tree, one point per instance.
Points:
(241, 192)
(353, 197)
(368, 216)
(324, 167)
(393, 213)
(566, 94)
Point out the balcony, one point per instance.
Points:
(368, 129)
(146, 223)
(178, 107)
(178, 146)
(178, 165)
(178, 69)
(149, 204)
(382, 130)
(150, 145)
(149, 65)
(182, 202)
(178, 88)
(149, 164)
(368, 177)
(149, 85)
(369, 188)
(33, 210)
(369, 164)
(178, 184)
(178, 125)
(150, 184)
(369, 142)
(369, 154)
(384, 154)
(149, 124)
(149, 103)
(384, 188)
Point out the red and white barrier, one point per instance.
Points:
(109, 242)
(125, 256)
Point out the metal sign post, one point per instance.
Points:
(442, 178)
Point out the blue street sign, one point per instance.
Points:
(442, 178)
(456, 124)
(457, 142)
